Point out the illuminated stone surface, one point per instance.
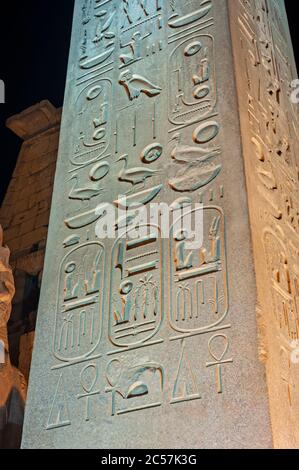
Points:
(24, 216)
(12, 383)
(265, 69)
(149, 344)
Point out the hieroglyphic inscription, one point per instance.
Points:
(198, 285)
(192, 81)
(79, 302)
(136, 297)
(265, 70)
(198, 278)
(134, 387)
(142, 328)
(120, 149)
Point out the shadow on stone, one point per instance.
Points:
(11, 421)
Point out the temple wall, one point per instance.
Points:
(24, 216)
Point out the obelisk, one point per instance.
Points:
(269, 114)
(147, 341)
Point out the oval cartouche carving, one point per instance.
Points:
(205, 132)
(78, 321)
(151, 153)
(126, 287)
(201, 92)
(94, 92)
(192, 48)
(99, 171)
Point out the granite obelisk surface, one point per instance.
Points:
(269, 112)
(144, 342)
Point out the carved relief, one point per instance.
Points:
(198, 278)
(288, 379)
(59, 416)
(133, 49)
(284, 285)
(135, 176)
(179, 20)
(197, 166)
(268, 69)
(192, 83)
(79, 310)
(136, 84)
(88, 378)
(151, 153)
(270, 130)
(83, 219)
(142, 274)
(134, 385)
(218, 349)
(186, 384)
(86, 11)
(98, 41)
(136, 299)
(94, 123)
(140, 198)
(137, 12)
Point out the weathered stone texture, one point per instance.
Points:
(12, 383)
(26, 348)
(265, 69)
(30, 191)
(148, 343)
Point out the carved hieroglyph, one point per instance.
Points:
(265, 69)
(144, 342)
(12, 383)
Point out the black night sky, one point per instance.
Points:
(35, 37)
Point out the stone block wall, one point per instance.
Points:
(24, 216)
